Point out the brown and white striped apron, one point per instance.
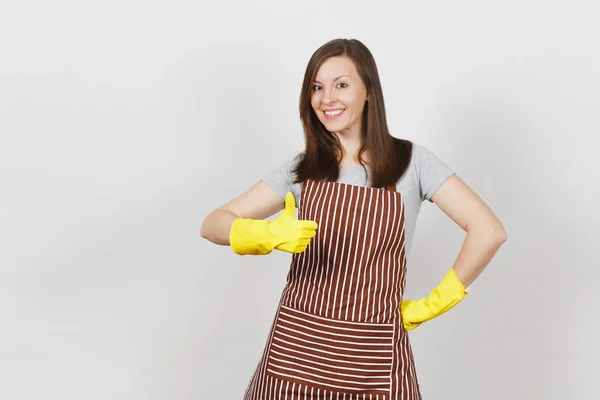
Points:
(338, 330)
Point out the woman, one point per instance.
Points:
(340, 330)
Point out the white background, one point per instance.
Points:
(124, 123)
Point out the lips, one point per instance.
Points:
(334, 116)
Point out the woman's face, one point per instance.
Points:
(339, 95)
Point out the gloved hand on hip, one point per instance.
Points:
(449, 293)
(285, 233)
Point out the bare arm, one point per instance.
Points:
(259, 202)
(485, 233)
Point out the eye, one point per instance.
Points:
(318, 87)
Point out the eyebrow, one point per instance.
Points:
(335, 78)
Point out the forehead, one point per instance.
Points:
(334, 67)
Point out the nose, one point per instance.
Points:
(328, 96)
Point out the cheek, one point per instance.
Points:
(357, 101)
(314, 102)
(349, 99)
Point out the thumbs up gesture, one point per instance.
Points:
(290, 234)
(285, 233)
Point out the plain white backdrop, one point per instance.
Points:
(124, 123)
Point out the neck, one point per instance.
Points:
(350, 141)
(350, 156)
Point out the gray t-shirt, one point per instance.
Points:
(424, 175)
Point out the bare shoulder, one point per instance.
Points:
(259, 202)
(456, 199)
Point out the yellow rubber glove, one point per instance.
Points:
(449, 293)
(261, 236)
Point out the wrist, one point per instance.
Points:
(250, 236)
(453, 283)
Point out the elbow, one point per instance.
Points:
(204, 228)
(500, 233)
(495, 233)
(501, 236)
(209, 229)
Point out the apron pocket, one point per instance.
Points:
(334, 355)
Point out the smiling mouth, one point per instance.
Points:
(333, 114)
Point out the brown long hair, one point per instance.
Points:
(389, 156)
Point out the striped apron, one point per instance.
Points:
(337, 332)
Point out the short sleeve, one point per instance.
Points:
(431, 171)
(281, 179)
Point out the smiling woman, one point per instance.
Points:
(342, 90)
(340, 99)
(341, 327)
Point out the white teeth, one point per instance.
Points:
(332, 113)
